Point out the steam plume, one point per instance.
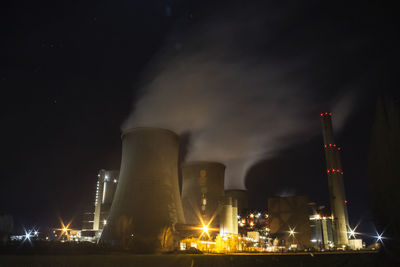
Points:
(240, 94)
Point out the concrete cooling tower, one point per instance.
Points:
(147, 203)
(202, 191)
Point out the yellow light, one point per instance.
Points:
(64, 229)
(205, 228)
(291, 231)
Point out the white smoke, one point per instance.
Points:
(238, 105)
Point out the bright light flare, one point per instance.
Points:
(64, 229)
(352, 232)
(291, 231)
(379, 237)
(28, 235)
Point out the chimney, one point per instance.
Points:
(335, 180)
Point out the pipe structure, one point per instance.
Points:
(242, 199)
(202, 192)
(147, 203)
(335, 181)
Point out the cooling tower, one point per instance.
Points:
(202, 191)
(241, 196)
(335, 181)
(226, 223)
(147, 203)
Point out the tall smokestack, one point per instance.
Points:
(147, 203)
(335, 180)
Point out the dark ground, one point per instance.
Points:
(196, 260)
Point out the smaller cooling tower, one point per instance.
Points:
(226, 222)
(241, 196)
(202, 191)
(147, 203)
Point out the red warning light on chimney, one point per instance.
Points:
(312, 203)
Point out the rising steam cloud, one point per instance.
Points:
(239, 95)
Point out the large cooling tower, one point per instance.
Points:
(335, 181)
(147, 203)
(202, 191)
(241, 196)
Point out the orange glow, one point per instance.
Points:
(64, 229)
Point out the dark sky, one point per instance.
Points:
(70, 73)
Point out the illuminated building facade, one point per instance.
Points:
(322, 228)
(105, 189)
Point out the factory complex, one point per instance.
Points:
(143, 207)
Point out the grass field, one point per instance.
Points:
(325, 260)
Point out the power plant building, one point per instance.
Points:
(322, 228)
(147, 203)
(335, 181)
(105, 189)
(202, 192)
(229, 217)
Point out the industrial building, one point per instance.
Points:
(323, 234)
(229, 217)
(105, 189)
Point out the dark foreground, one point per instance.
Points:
(325, 260)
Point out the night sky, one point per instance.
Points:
(70, 73)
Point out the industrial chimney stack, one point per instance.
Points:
(335, 180)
